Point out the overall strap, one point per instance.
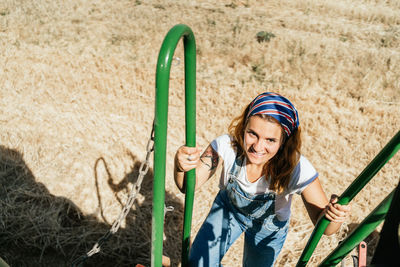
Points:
(237, 166)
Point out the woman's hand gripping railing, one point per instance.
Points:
(387, 152)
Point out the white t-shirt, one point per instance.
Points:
(303, 175)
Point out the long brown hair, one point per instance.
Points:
(281, 166)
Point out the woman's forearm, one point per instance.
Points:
(179, 177)
(332, 228)
(336, 214)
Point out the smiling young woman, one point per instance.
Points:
(262, 169)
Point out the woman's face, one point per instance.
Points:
(262, 139)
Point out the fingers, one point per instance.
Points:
(334, 215)
(188, 154)
(187, 158)
(336, 212)
(334, 198)
(189, 150)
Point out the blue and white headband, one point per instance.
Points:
(278, 107)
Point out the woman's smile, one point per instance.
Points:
(255, 153)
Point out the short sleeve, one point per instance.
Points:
(222, 145)
(303, 175)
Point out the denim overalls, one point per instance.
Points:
(232, 213)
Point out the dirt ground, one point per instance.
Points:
(77, 90)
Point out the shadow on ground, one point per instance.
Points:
(40, 229)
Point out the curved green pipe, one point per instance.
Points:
(160, 135)
(365, 176)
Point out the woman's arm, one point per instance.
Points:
(317, 205)
(187, 158)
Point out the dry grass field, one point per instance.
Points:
(77, 89)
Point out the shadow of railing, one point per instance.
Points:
(40, 229)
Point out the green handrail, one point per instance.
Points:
(366, 175)
(160, 135)
(3, 263)
(365, 228)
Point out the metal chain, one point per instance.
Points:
(144, 167)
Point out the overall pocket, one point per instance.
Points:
(255, 207)
(273, 224)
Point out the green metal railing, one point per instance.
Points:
(366, 175)
(366, 227)
(160, 136)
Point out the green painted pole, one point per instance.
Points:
(366, 227)
(3, 263)
(365, 176)
(160, 130)
(190, 118)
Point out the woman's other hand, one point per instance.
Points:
(187, 158)
(336, 212)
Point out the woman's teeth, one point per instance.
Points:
(259, 154)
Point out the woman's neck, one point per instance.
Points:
(254, 172)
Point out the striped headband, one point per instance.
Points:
(278, 107)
